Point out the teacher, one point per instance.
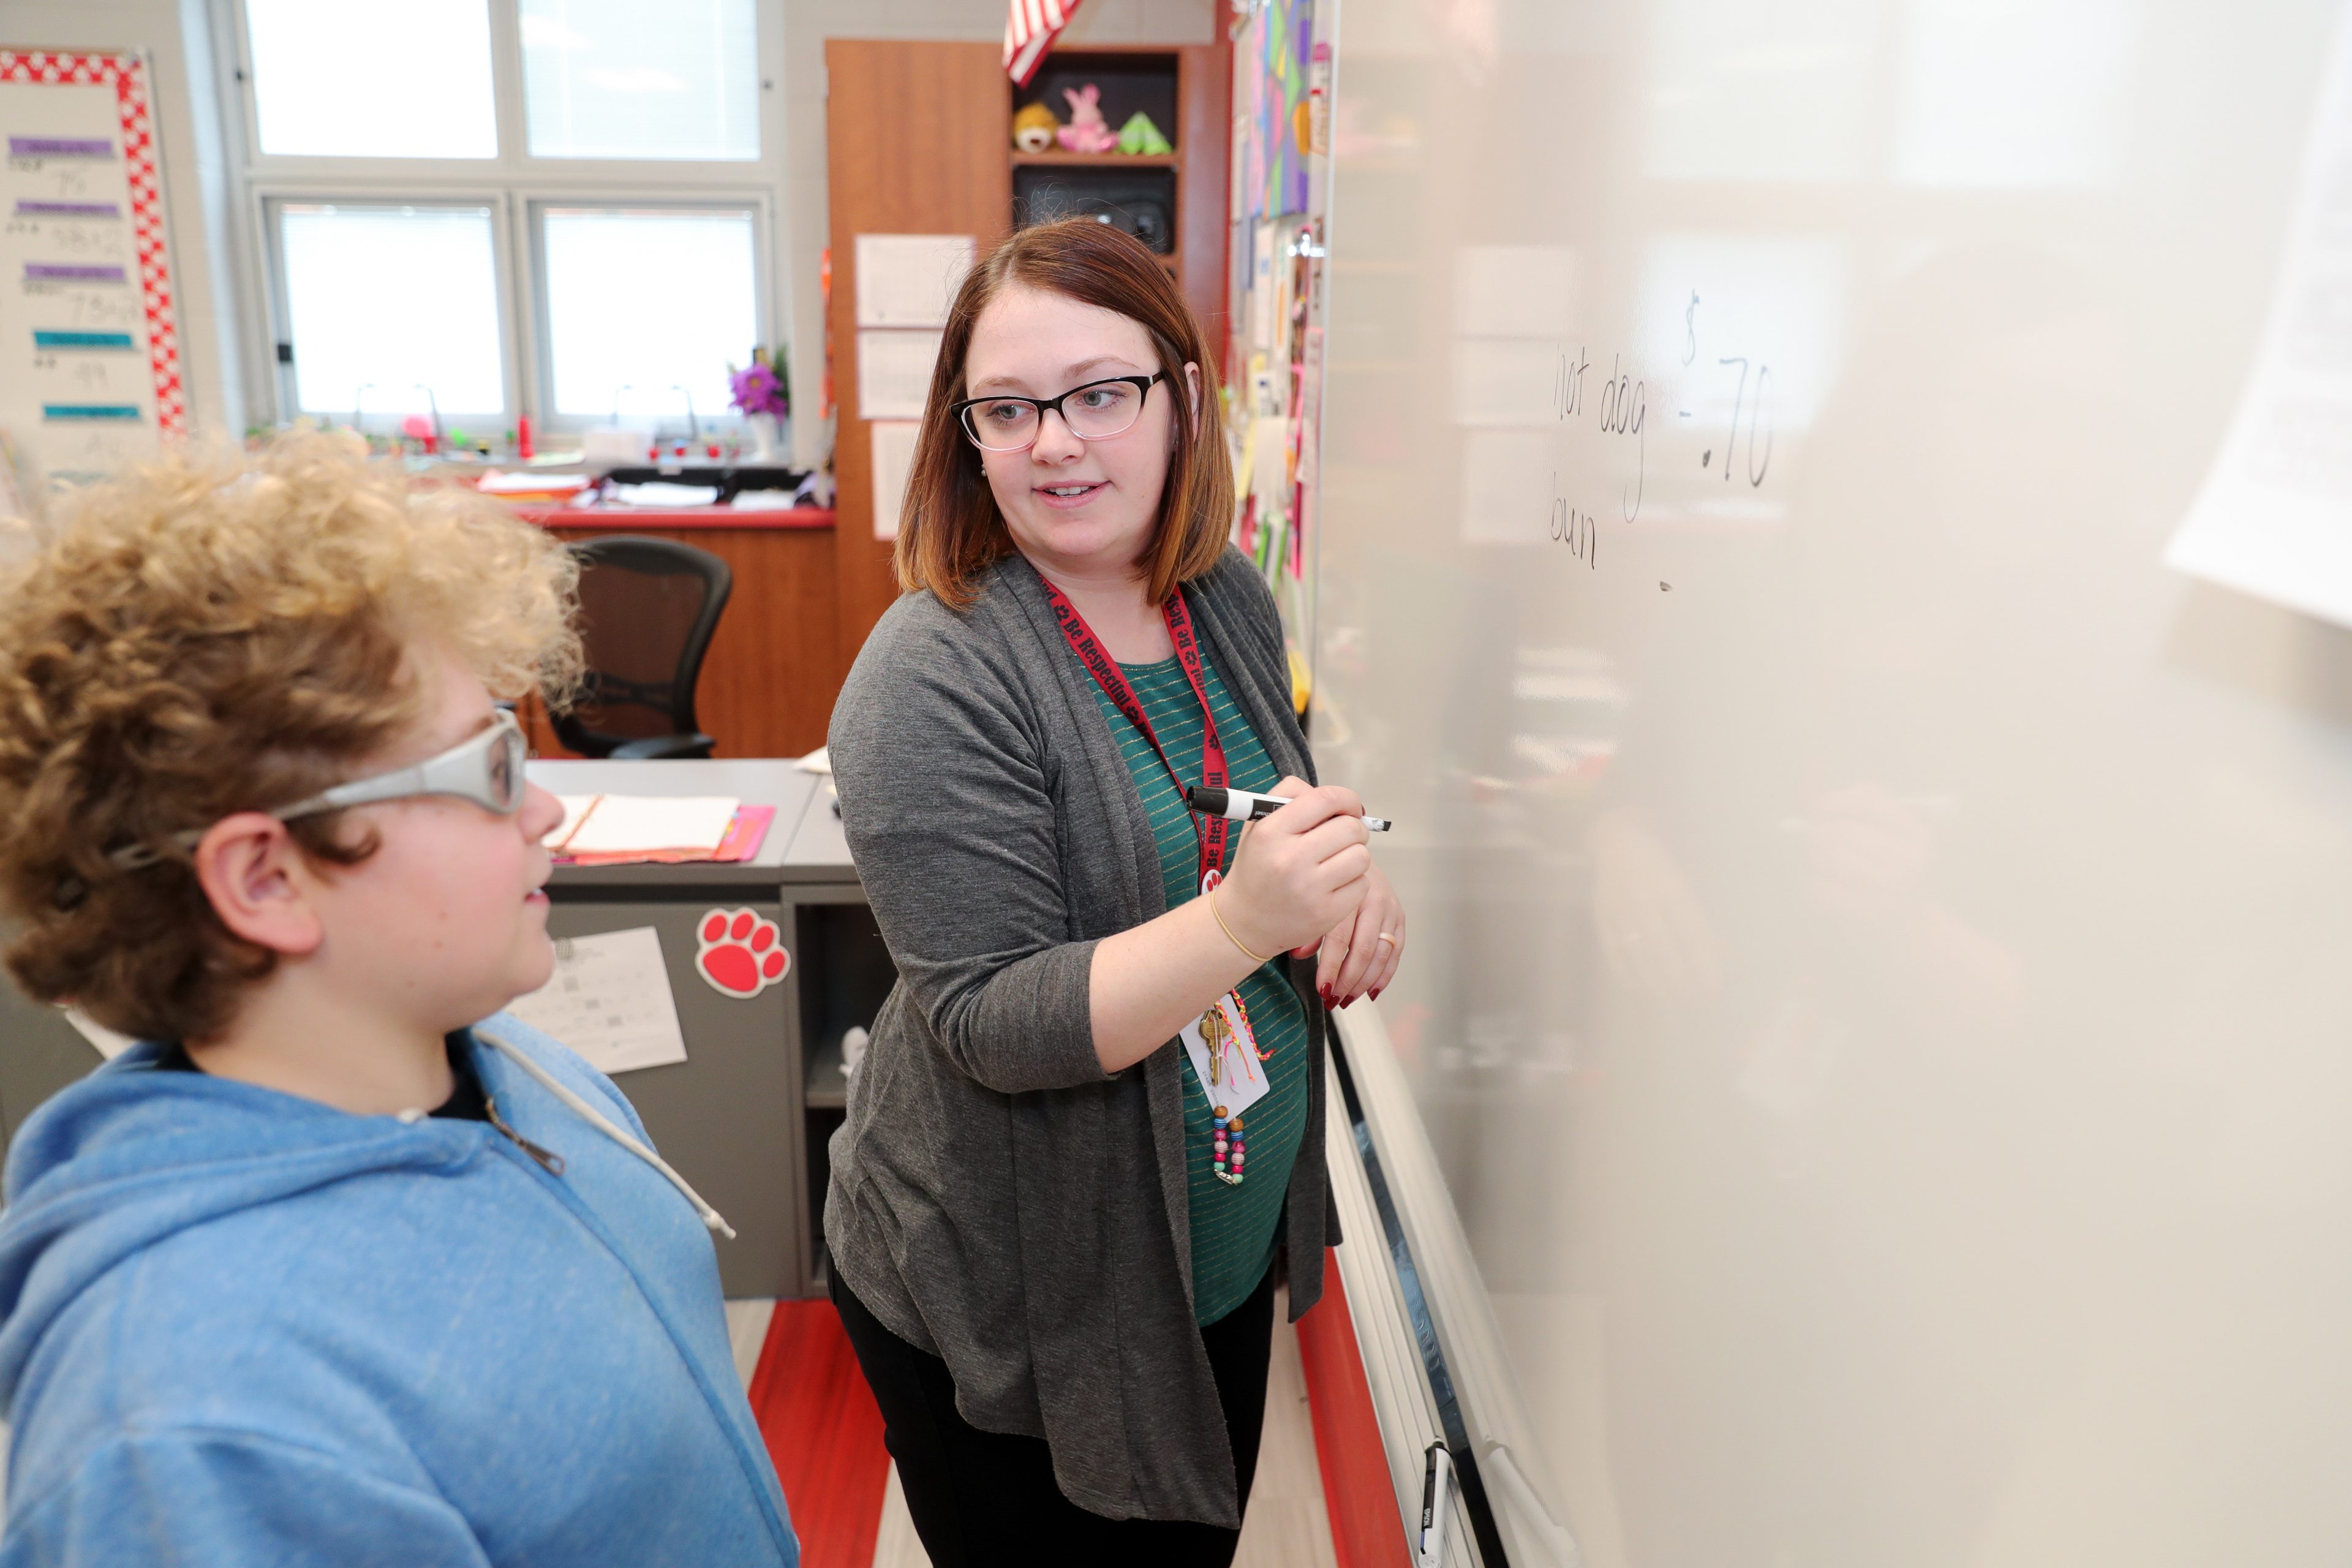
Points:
(1089, 1132)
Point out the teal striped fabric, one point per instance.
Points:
(1232, 1226)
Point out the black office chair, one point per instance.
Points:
(647, 607)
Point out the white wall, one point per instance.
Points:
(807, 24)
(195, 197)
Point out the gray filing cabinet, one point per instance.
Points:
(40, 1053)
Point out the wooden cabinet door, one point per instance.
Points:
(916, 143)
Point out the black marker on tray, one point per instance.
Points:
(1240, 805)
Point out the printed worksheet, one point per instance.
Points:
(2272, 518)
(610, 1000)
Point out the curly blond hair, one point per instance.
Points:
(215, 633)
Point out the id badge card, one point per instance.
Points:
(1236, 1078)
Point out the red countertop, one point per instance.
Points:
(675, 517)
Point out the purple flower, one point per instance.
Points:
(757, 390)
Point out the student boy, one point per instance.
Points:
(325, 1271)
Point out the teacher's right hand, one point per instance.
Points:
(1300, 872)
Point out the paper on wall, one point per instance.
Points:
(1309, 412)
(909, 279)
(1270, 473)
(2275, 518)
(894, 460)
(87, 328)
(894, 373)
(1261, 289)
(609, 1000)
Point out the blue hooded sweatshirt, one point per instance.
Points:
(246, 1328)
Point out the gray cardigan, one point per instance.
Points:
(997, 1200)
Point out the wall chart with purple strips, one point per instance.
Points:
(90, 361)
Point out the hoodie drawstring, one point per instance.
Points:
(596, 1118)
(551, 1162)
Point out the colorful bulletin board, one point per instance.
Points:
(1272, 60)
(1281, 91)
(87, 322)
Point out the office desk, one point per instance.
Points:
(745, 1118)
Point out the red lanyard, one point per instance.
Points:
(1211, 831)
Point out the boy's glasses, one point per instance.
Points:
(1095, 412)
(485, 769)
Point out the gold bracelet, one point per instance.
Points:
(1229, 930)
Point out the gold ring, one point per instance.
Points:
(1387, 938)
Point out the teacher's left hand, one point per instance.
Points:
(1359, 956)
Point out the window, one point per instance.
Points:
(392, 310)
(491, 207)
(600, 83)
(645, 309)
(362, 81)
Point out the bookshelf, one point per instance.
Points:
(1174, 200)
(1096, 159)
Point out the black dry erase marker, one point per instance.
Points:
(1240, 805)
(1437, 1484)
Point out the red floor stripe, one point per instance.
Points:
(1367, 1531)
(824, 1434)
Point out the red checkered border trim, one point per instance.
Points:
(127, 74)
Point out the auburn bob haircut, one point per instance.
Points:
(951, 531)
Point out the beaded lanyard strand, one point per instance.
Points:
(1228, 1151)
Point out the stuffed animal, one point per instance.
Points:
(1034, 128)
(1138, 137)
(1088, 132)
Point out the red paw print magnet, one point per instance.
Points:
(740, 953)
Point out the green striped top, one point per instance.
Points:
(1232, 1226)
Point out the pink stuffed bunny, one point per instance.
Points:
(1086, 131)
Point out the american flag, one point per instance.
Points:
(1029, 29)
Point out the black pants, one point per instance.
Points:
(982, 1499)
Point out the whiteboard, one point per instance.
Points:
(1880, 993)
(89, 373)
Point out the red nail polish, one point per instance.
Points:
(1326, 993)
(1376, 996)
